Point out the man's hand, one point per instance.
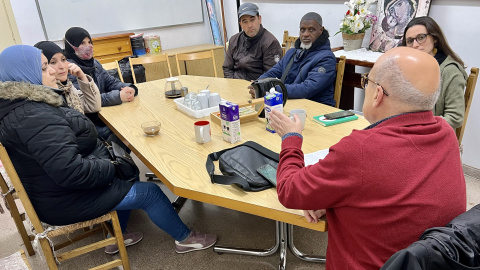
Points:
(282, 124)
(251, 90)
(77, 72)
(127, 94)
(312, 216)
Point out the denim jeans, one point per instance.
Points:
(150, 198)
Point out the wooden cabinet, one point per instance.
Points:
(110, 48)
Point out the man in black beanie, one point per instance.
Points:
(254, 50)
(308, 70)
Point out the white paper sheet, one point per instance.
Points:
(361, 54)
(313, 158)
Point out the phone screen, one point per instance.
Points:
(268, 172)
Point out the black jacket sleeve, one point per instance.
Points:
(53, 144)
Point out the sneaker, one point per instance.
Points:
(129, 239)
(195, 241)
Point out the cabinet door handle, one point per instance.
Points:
(119, 48)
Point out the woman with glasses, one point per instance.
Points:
(424, 34)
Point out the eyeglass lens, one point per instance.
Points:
(420, 38)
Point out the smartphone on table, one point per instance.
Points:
(269, 172)
(337, 115)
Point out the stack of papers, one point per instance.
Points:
(361, 54)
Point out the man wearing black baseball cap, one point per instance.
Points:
(254, 50)
(308, 70)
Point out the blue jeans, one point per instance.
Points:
(150, 198)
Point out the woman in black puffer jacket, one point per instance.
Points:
(63, 166)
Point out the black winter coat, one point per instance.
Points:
(63, 166)
(453, 247)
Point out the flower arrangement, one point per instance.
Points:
(358, 18)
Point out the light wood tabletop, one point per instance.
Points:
(179, 161)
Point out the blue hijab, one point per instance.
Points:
(21, 63)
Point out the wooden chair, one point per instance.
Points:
(44, 236)
(114, 65)
(340, 67)
(288, 41)
(10, 197)
(195, 56)
(163, 58)
(471, 82)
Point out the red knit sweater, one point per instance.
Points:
(382, 187)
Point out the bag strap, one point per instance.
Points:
(235, 179)
(287, 69)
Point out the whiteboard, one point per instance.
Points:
(100, 17)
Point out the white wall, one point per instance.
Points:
(30, 28)
(458, 20)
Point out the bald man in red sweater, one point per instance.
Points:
(384, 185)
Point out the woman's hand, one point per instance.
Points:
(77, 72)
(127, 94)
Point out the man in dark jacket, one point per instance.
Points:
(254, 50)
(308, 70)
(455, 246)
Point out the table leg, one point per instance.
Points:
(283, 246)
(178, 203)
(299, 254)
(254, 252)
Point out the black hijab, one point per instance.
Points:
(75, 36)
(49, 49)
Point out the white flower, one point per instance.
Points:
(358, 25)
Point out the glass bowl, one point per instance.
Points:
(151, 128)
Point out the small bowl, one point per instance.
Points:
(151, 128)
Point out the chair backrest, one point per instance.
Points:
(114, 65)
(195, 56)
(288, 41)
(22, 194)
(162, 58)
(340, 67)
(471, 82)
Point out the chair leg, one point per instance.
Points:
(120, 243)
(48, 252)
(20, 226)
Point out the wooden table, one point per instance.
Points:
(179, 162)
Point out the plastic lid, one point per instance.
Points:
(172, 79)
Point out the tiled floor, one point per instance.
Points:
(156, 251)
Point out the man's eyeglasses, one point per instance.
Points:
(365, 80)
(420, 38)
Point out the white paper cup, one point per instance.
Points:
(202, 131)
(302, 114)
(214, 100)
(206, 92)
(203, 99)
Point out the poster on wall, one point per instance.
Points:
(217, 36)
(393, 16)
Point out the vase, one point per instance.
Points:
(352, 41)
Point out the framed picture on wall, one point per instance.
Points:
(393, 16)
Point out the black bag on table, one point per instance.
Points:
(125, 168)
(239, 166)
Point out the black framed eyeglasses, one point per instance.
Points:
(365, 80)
(420, 38)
